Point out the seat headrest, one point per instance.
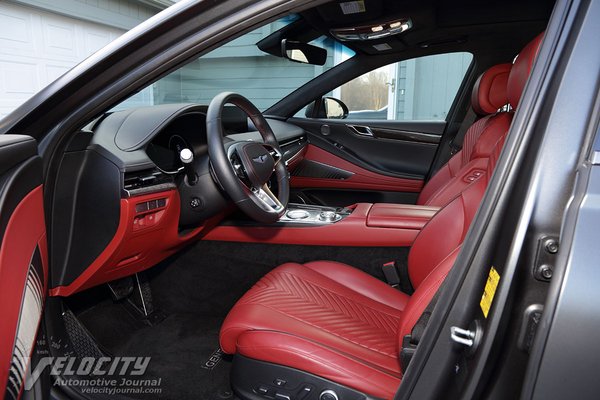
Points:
(521, 69)
(489, 93)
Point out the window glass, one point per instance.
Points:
(417, 89)
(239, 66)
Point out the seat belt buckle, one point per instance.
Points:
(390, 272)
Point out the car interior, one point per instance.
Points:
(288, 252)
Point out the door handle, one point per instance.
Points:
(361, 130)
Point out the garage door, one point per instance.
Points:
(36, 47)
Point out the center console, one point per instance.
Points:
(313, 215)
(362, 224)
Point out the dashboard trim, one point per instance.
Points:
(144, 237)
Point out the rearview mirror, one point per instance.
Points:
(303, 52)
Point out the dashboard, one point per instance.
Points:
(123, 190)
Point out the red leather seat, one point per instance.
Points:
(488, 96)
(336, 322)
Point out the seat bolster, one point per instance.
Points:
(319, 360)
(361, 283)
(472, 171)
(437, 181)
(424, 293)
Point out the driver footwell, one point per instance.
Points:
(183, 349)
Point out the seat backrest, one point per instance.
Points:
(436, 247)
(488, 96)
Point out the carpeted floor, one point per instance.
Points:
(195, 289)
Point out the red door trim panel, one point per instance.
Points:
(361, 178)
(25, 234)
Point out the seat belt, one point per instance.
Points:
(410, 342)
(457, 141)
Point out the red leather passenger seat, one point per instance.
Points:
(335, 322)
(488, 96)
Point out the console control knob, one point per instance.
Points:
(328, 395)
(297, 214)
(328, 216)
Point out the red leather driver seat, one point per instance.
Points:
(336, 325)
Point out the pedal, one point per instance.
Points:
(121, 288)
(140, 302)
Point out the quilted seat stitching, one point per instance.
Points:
(322, 305)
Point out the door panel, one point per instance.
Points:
(364, 160)
(23, 258)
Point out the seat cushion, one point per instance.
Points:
(324, 317)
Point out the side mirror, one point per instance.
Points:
(303, 52)
(327, 107)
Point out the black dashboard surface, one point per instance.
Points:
(146, 137)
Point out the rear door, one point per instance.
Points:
(23, 259)
(383, 150)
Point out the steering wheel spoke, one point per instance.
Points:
(274, 152)
(236, 164)
(267, 198)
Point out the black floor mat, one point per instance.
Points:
(195, 289)
(180, 347)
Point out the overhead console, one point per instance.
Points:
(363, 224)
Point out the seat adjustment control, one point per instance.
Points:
(328, 395)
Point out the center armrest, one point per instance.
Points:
(400, 216)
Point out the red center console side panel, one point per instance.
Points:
(354, 230)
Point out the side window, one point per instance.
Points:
(417, 89)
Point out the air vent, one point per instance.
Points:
(147, 181)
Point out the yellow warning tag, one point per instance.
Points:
(489, 291)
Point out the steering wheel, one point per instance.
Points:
(244, 168)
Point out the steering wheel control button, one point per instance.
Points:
(298, 214)
(195, 202)
(328, 395)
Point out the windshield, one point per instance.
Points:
(239, 66)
